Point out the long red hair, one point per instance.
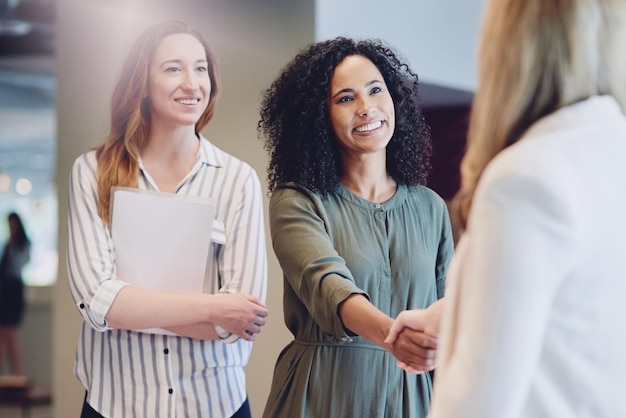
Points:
(118, 156)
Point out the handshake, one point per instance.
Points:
(412, 338)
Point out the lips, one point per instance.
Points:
(369, 127)
(193, 101)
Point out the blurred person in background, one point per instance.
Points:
(15, 255)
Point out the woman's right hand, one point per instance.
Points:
(416, 351)
(239, 314)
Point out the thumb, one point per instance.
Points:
(394, 331)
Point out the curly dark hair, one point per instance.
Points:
(296, 124)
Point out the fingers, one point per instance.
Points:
(243, 315)
(421, 339)
(248, 336)
(256, 301)
(410, 318)
(252, 330)
(394, 331)
(412, 370)
(416, 351)
(416, 342)
(417, 365)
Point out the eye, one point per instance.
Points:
(172, 69)
(345, 99)
(202, 69)
(376, 90)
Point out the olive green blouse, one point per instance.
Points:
(396, 254)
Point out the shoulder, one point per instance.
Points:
(217, 157)
(529, 163)
(294, 195)
(293, 190)
(84, 167)
(553, 147)
(86, 159)
(529, 179)
(424, 196)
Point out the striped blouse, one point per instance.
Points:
(134, 374)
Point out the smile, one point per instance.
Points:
(188, 101)
(369, 126)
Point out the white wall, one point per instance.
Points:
(438, 37)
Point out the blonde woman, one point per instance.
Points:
(534, 323)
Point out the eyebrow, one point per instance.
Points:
(349, 90)
(177, 61)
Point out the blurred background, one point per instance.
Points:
(28, 130)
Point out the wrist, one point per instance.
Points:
(225, 336)
(212, 307)
(222, 334)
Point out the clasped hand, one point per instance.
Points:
(413, 340)
(240, 314)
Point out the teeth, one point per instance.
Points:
(188, 101)
(369, 126)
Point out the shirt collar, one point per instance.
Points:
(210, 154)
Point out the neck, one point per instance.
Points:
(169, 157)
(172, 145)
(376, 188)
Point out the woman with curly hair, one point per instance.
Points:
(357, 234)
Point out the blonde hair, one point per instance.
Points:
(118, 156)
(536, 56)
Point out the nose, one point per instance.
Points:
(189, 81)
(366, 107)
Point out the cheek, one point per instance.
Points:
(206, 86)
(391, 114)
(339, 119)
(392, 120)
(336, 122)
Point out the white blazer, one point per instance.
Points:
(535, 317)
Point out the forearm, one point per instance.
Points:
(364, 319)
(198, 331)
(413, 348)
(139, 308)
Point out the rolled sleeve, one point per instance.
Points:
(95, 311)
(336, 290)
(90, 254)
(315, 271)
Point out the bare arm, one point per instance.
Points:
(239, 314)
(413, 348)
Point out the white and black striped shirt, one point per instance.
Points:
(134, 374)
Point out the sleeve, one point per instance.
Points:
(516, 251)
(90, 255)
(444, 252)
(243, 262)
(311, 265)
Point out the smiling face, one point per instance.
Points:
(360, 106)
(179, 85)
